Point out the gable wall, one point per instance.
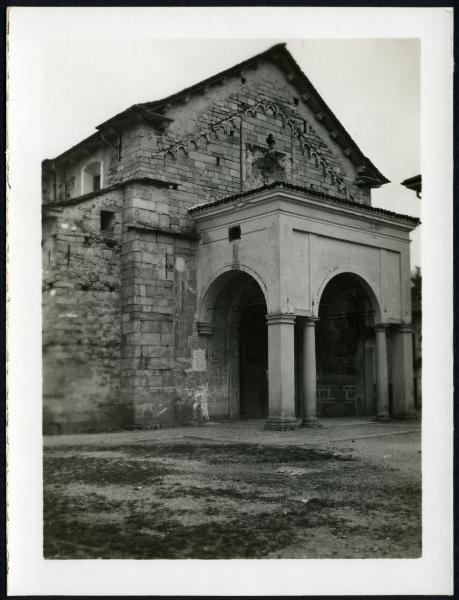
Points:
(187, 152)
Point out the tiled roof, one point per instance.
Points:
(310, 192)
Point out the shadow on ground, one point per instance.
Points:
(225, 500)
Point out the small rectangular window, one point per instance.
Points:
(234, 233)
(96, 183)
(107, 220)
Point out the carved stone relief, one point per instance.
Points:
(266, 165)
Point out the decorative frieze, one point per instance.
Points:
(235, 122)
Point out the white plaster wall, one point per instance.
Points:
(314, 250)
(293, 250)
(256, 253)
(391, 290)
(331, 256)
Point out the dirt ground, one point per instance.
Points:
(208, 499)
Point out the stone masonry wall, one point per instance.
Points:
(81, 318)
(158, 310)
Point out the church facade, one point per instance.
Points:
(215, 255)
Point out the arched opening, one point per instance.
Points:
(345, 346)
(234, 309)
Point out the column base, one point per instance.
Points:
(383, 418)
(281, 423)
(411, 416)
(310, 422)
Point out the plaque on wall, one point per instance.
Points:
(199, 360)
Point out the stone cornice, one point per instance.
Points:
(133, 180)
(152, 229)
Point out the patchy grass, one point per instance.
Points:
(208, 500)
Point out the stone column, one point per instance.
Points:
(402, 372)
(309, 374)
(382, 383)
(281, 372)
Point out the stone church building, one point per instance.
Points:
(215, 255)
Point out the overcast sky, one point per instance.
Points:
(372, 86)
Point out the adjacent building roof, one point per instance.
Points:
(278, 54)
(414, 183)
(310, 192)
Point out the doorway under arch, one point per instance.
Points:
(234, 307)
(345, 346)
(253, 363)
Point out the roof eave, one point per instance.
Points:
(200, 210)
(413, 183)
(317, 104)
(81, 149)
(133, 115)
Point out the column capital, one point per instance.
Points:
(280, 318)
(381, 326)
(405, 328)
(205, 328)
(310, 321)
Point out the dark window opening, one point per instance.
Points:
(296, 101)
(107, 220)
(243, 80)
(231, 133)
(305, 127)
(96, 183)
(218, 161)
(234, 233)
